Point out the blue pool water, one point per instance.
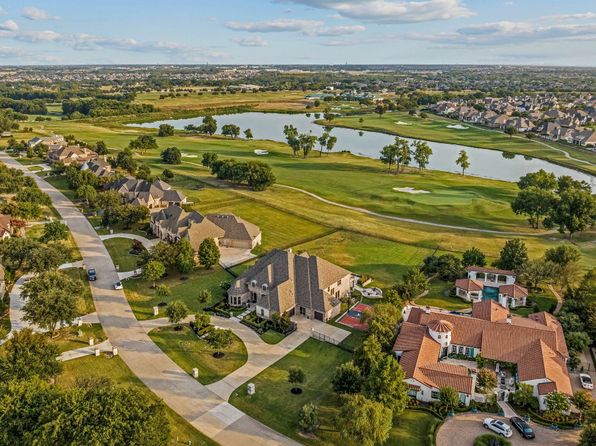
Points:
(490, 293)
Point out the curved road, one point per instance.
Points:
(204, 409)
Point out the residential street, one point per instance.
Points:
(204, 409)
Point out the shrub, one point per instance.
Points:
(491, 440)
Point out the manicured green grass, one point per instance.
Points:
(412, 429)
(85, 302)
(60, 183)
(28, 161)
(545, 301)
(272, 337)
(34, 169)
(4, 325)
(36, 231)
(119, 249)
(438, 296)
(275, 406)
(383, 260)
(434, 128)
(142, 297)
(68, 338)
(188, 351)
(115, 369)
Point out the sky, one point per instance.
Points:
(520, 32)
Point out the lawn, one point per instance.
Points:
(70, 338)
(4, 325)
(275, 406)
(438, 296)
(272, 337)
(142, 297)
(115, 369)
(545, 301)
(434, 128)
(188, 351)
(85, 302)
(119, 251)
(60, 183)
(36, 231)
(412, 429)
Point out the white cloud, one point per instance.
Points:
(252, 41)
(9, 25)
(393, 11)
(339, 30)
(506, 32)
(38, 36)
(275, 26)
(580, 16)
(33, 13)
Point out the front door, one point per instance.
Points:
(319, 315)
(302, 311)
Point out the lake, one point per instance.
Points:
(483, 162)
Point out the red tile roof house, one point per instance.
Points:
(490, 283)
(536, 345)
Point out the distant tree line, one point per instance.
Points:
(255, 174)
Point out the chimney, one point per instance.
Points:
(427, 309)
(509, 318)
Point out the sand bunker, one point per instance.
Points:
(261, 152)
(457, 127)
(188, 155)
(402, 123)
(410, 190)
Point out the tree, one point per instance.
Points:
(486, 380)
(541, 179)
(574, 211)
(448, 398)
(185, 256)
(171, 155)
(177, 311)
(583, 401)
(524, 396)
(125, 160)
(368, 355)
(308, 418)
(143, 143)
(383, 323)
(28, 354)
(422, 153)
(556, 404)
(463, 161)
(510, 130)
(208, 253)
(163, 291)
(323, 141)
(54, 231)
(386, 385)
(153, 271)
(143, 172)
(291, 134)
(230, 130)
(588, 436)
(307, 143)
(202, 320)
(165, 130)
(48, 257)
(412, 285)
(331, 143)
(347, 378)
(577, 341)
(473, 257)
(167, 174)
(535, 203)
(403, 155)
(101, 148)
(50, 298)
(295, 376)
(258, 175)
(16, 253)
(219, 339)
(248, 134)
(389, 155)
(209, 125)
(87, 192)
(566, 258)
(204, 296)
(209, 158)
(536, 271)
(363, 422)
(513, 255)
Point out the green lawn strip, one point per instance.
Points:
(26, 161)
(5, 325)
(412, 428)
(116, 370)
(119, 249)
(545, 301)
(60, 183)
(71, 338)
(188, 351)
(272, 337)
(85, 303)
(275, 406)
(438, 296)
(434, 128)
(34, 169)
(142, 297)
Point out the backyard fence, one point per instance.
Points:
(323, 337)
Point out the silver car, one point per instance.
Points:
(586, 381)
(498, 427)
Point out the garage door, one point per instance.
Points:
(319, 316)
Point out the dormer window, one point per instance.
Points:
(265, 287)
(253, 283)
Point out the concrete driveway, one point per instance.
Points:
(461, 430)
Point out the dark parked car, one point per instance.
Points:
(91, 275)
(524, 428)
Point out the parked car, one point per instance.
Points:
(118, 285)
(498, 427)
(91, 275)
(524, 428)
(586, 381)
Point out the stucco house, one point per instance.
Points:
(535, 345)
(294, 284)
(491, 284)
(173, 223)
(144, 193)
